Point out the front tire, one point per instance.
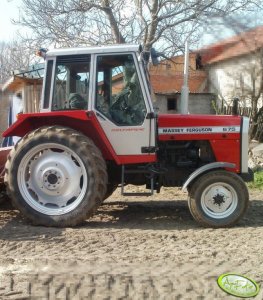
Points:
(218, 199)
(56, 177)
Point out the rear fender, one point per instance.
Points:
(81, 121)
(204, 169)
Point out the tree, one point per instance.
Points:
(90, 22)
(14, 56)
(250, 88)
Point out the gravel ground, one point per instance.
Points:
(132, 248)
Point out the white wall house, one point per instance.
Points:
(235, 68)
(237, 77)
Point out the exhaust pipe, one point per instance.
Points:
(185, 88)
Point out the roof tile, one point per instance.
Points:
(238, 45)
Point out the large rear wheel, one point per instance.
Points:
(218, 199)
(111, 188)
(56, 177)
(3, 195)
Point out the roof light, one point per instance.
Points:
(41, 52)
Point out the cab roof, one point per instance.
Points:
(97, 49)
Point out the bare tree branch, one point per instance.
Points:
(15, 55)
(87, 22)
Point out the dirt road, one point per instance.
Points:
(131, 249)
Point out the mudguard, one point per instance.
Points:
(205, 168)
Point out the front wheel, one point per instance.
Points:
(56, 177)
(218, 199)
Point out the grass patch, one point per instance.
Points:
(258, 181)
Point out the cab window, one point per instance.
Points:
(118, 92)
(71, 86)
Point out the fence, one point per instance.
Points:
(242, 111)
(256, 126)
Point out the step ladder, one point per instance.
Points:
(136, 171)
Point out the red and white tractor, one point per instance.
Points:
(97, 130)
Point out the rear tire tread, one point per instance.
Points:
(88, 152)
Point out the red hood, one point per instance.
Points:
(223, 133)
(166, 120)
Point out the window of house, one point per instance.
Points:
(171, 104)
(198, 61)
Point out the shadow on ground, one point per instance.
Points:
(13, 226)
(161, 215)
(146, 215)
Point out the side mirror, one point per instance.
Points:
(154, 56)
(151, 55)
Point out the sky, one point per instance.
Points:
(9, 10)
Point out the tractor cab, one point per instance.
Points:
(110, 81)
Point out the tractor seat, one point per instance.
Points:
(76, 101)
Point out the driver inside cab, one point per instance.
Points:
(128, 105)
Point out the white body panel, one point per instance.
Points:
(126, 140)
(244, 145)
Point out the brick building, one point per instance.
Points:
(167, 81)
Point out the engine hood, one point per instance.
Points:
(184, 126)
(197, 120)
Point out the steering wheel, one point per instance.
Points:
(120, 111)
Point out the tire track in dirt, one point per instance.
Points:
(149, 249)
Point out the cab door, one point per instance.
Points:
(122, 104)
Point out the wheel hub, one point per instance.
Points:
(52, 179)
(219, 199)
